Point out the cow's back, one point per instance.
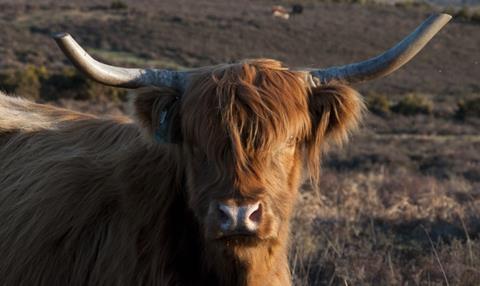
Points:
(59, 202)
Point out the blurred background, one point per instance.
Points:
(398, 205)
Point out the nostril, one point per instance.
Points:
(256, 216)
(223, 217)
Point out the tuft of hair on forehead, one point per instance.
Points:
(246, 109)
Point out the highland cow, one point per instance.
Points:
(198, 190)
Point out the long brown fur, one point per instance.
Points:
(92, 201)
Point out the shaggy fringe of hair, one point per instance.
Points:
(256, 105)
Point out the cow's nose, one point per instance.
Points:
(239, 219)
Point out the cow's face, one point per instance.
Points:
(245, 131)
(242, 200)
(242, 129)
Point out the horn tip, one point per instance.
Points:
(61, 35)
(442, 17)
(446, 16)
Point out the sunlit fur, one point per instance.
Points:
(92, 201)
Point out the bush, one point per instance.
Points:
(413, 104)
(65, 84)
(73, 85)
(118, 5)
(37, 83)
(468, 108)
(26, 83)
(378, 104)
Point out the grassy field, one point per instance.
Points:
(398, 205)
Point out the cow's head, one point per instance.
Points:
(245, 130)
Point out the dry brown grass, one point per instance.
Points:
(400, 205)
(387, 228)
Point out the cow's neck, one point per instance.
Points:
(264, 264)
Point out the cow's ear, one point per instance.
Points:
(157, 112)
(335, 111)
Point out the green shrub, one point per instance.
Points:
(100, 91)
(413, 104)
(26, 82)
(118, 5)
(7, 82)
(72, 84)
(37, 83)
(468, 108)
(378, 104)
(65, 84)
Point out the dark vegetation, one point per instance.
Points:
(38, 83)
(465, 13)
(398, 205)
(118, 5)
(468, 108)
(409, 104)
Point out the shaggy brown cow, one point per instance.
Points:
(198, 191)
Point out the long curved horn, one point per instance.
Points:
(117, 76)
(390, 60)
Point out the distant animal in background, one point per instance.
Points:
(280, 12)
(297, 9)
(284, 13)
